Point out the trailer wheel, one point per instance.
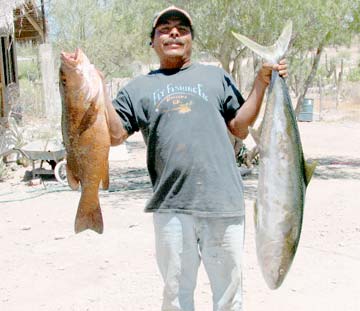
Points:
(60, 172)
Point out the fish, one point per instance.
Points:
(283, 172)
(86, 135)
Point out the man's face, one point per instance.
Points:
(173, 42)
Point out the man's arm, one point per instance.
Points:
(249, 111)
(118, 134)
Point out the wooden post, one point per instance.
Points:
(2, 86)
(8, 72)
(51, 98)
(43, 20)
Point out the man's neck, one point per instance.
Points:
(175, 65)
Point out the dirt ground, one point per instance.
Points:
(45, 266)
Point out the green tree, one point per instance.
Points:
(317, 24)
(116, 33)
(110, 32)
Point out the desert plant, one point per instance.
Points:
(11, 136)
(3, 170)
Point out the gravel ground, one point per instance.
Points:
(45, 266)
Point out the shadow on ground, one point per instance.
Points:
(250, 184)
(337, 167)
(133, 146)
(128, 183)
(135, 182)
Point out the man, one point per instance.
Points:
(183, 110)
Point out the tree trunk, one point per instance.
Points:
(312, 74)
(339, 83)
(321, 97)
(225, 63)
(235, 72)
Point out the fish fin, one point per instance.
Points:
(89, 118)
(105, 179)
(100, 74)
(309, 171)
(272, 53)
(72, 180)
(89, 218)
(108, 102)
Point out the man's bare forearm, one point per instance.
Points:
(249, 111)
(118, 134)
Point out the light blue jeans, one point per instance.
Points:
(182, 241)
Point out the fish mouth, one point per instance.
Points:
(71, 59)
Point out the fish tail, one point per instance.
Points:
(271, 54)
(89, 216)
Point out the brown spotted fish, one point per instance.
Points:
(85, 134)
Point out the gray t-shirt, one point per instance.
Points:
(182, 115)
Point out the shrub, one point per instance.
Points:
(354, 74)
